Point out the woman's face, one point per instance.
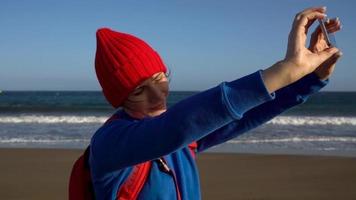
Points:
(149, 98)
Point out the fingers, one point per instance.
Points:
(329, 53)
(335, 57)
(332, 26)
(327, 67)
(312, 9)
(304, 19)
(332, 59)
(302, 22)
(310, 22)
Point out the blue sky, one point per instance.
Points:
(50, 45)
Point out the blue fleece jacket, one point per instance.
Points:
(210, 117)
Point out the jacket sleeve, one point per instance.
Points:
(123, 143)
(285, 98)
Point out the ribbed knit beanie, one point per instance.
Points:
(122, 62)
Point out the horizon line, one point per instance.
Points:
(101, 91)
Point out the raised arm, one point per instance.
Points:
(285, 98)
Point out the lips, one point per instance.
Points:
(160, 106)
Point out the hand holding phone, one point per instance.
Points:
(329, 37)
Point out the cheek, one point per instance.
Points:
(135, 103)
(165, 89)
(139, 106)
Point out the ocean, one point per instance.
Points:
(324, 125)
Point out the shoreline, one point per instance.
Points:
(43, 173)
(222, 149)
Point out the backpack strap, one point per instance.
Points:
(133, 185)
(135, 182)
(193, 148)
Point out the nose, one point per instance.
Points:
(157, 95)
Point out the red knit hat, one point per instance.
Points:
(122, 62)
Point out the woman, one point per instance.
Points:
(144, 134)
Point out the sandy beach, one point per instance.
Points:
(43, 174)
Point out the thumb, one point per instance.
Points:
(327, 53)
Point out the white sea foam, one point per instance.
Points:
(309, 120)
(296, 140)
(52, 119)
(32, 140)
(76, 119)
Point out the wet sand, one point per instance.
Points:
(43, 174)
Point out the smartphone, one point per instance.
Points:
(329, 37)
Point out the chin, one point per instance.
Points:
(157, 112)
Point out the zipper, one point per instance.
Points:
(164, 167)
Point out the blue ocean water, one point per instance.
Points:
(324, 125)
